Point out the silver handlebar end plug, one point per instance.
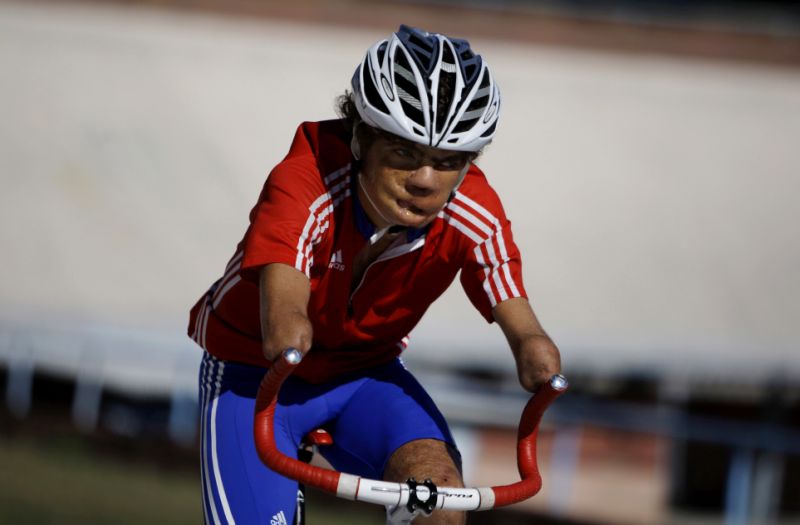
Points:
(292, 356)
(559, 382)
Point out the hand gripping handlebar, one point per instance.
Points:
(410, 493)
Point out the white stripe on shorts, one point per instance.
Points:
(208, 494)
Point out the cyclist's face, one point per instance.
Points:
(407, 183)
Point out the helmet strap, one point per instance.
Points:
(461, 177)
(374, 207)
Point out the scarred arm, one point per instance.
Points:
(284, 293)
(537, 357)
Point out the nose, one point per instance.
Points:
(422, 181)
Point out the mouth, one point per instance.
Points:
(409, 207)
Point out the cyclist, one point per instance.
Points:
(364, 223)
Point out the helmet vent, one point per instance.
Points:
(480, 100)
(485, 82)
(421, 43)
(407, 89)
(413, 113)
(423, 51)
(382, 52)
(478, 104)
(446, 89)
(470, 62)
(465, 125)
(469, 71)
(371, 93)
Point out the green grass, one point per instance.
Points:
(64, 481)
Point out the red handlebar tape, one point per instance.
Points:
(328, 480)
(264, 434)
(528, 432)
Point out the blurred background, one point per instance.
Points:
(648, 156)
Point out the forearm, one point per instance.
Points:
(536, 355)
(284, 294)
(538, 359)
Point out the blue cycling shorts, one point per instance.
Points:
(369, 414)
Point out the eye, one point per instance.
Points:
(451, 164)
(403, 152)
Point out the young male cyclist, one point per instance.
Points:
(356, 232)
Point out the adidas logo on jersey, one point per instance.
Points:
(337, 263)
(278, 519)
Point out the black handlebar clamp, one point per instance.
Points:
(415, 503)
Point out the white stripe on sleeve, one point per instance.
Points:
(487, 285)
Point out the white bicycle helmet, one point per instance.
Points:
(429, 89)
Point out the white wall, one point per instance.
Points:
(653, 199)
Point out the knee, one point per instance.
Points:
(423, 459)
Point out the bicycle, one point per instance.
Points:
(403, 501)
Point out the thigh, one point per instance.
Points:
(236, 486)
(389, 409)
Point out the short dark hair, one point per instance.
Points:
(346, 109)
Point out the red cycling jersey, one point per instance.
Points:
(308, 216)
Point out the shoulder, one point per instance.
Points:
(475, 210)
(318, 159)
(476, 187)
(327, 143)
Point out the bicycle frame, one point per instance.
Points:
(403, 501)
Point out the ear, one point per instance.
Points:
(355, 147)
(355, 144)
